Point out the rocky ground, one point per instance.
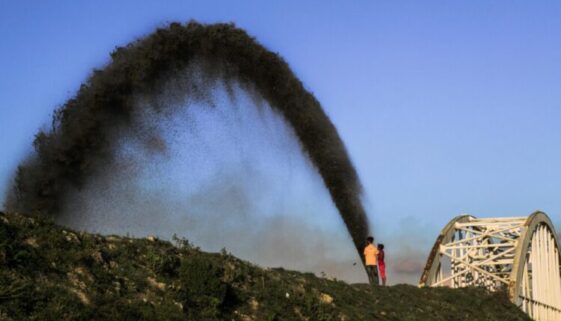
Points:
(52, 273)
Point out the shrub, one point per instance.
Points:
(203, 292)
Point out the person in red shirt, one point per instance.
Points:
(382, 263)
(370, 261)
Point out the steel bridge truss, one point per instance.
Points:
(519, 255)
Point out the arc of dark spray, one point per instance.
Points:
(65, 156)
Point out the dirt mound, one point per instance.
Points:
(52, 273)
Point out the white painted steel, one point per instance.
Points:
(519, 255)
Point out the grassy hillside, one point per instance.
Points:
(51, 273)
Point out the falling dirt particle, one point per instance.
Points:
(155, 144)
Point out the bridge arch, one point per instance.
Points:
(520, 255)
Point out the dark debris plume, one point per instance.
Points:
(67, 154)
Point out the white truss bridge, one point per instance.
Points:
(518, 255)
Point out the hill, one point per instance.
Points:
(53, 273)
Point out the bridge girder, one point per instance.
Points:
(518, 254)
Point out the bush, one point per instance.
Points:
(203, 292)
(165, 263)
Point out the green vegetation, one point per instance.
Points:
(51, 273)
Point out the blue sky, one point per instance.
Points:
(446, 107)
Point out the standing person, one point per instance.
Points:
(371, 260)
(382, 263)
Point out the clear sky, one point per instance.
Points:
(446, 107)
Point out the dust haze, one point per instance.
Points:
(97, 135)
(226, 172)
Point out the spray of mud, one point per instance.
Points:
(84, 129)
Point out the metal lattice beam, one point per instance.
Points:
(517, 254)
